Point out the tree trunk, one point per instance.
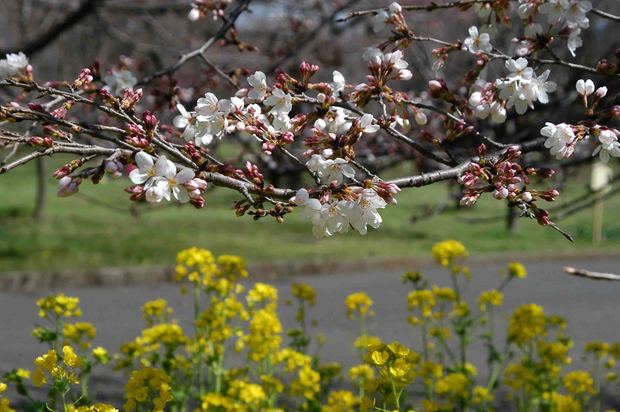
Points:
(512, 219)
(41, 189)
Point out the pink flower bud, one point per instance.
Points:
(136, 192)
(198, 202)
(149, 120)
(436, 88)
(600, 92)
(288, 137)
(68, 186)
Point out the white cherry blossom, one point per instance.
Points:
(331, 219)
(367, 125)
(188, 122)
(363, 212)
(559, 139)
(146, 171)
(330, 170)
(280, 101)
(585, 87)
(521, 88)
(173, 182)
(478, 42)
(309, 206)
(338, 82)
(258, 83)
(13, 64)
(608, 145)
(207, 105)
(119, 80)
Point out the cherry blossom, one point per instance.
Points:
(560, 139)
(186, 121)
(338, 82)
(608, 144)
(363, 212)
(146, 171)
(280, 101)
(13, 64)
(477, 42)
(117, 81)
(585, 87)
(258, 83)
(521, 88)
(331, 219)
(330, 170)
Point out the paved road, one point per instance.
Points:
(591, 307)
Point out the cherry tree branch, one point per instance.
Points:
(228, 24)
(606, 15)
(417, 7)
(86, 8)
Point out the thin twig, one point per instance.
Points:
(590, 274)
(228, 24)
(418, 7)
(606, 15)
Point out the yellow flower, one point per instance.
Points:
(379, 357)
(444, 293)
(196, 265)
(70, 358)
(292, 359)
(527, 322)
(579, 382)
(424, 300)
(59, 306)
(597, 348)
(453, 385)
(431, 370)
(565, 403)
(3, 387)
(447, 251)
(361, 372)
(518, 377)
(156, 310)
(147, 382)
(22, 373)
(304, 292)
(307, 383)
(100, 354)
(78, 333)
(216, 401)
(232, 267)
(48, 361)
(488, 298)
(364, 341)
(4, 405)
(516, 269)
(358, 304)
(98, 407)
(340, 401)
(248, 393)
(38, 378)
(481, 395)
(262, 292)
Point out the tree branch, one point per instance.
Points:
(86, 8)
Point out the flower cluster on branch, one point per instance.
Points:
(334, 131)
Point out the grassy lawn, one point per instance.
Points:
(78, 233)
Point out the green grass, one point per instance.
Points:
(77, 233)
